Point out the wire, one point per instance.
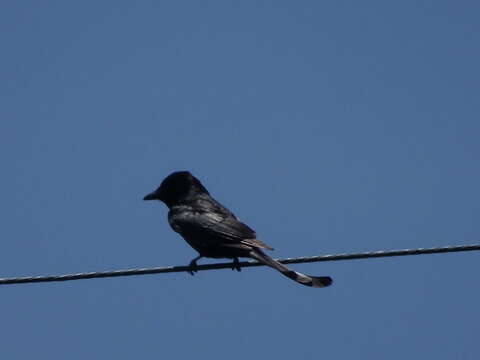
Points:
(171, 269)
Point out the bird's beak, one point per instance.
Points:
(151, 196)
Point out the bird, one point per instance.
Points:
(213, 230)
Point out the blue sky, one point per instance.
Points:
(328, 127)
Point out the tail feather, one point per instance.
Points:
(307, 280)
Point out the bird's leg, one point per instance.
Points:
(236, 264)
(193, 265)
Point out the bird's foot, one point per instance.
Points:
(236, 265)
(193, 267)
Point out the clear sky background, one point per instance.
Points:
(328, 127)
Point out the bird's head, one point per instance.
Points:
(175, 187)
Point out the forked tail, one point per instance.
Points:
(307, 280)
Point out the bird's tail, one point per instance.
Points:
(307, 280)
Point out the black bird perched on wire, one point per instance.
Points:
(212, 230)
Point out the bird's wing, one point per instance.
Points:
(233, 229)
(256, 243)
(218, 222)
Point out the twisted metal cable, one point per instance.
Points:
(297, 260)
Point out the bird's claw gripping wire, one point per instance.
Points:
(193, 267)
(236, 265)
